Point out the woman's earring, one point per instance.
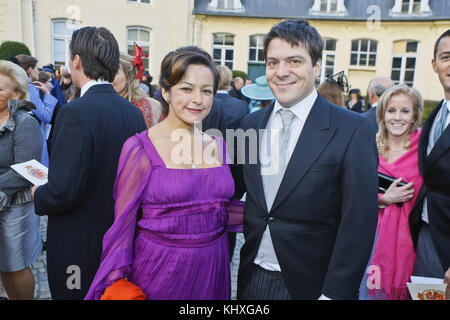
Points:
(412, 122)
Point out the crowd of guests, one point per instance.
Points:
(135, 216)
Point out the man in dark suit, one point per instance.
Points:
(376, 88)
(430, 216)
(227, 112)
(235, 90)
(88, 138)
(311, 205)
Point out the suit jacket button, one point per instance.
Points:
(271, 219)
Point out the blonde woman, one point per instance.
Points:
(20, 141)
(127, 84)
(399, 114)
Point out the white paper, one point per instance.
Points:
(33, 171)
(425, 280)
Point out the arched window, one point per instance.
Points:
(142, 38)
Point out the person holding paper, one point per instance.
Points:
(399, 115)
(20, 141)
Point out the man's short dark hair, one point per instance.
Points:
(436, 45)
(297, 32)
(98, 50)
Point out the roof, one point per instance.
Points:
(357, 10)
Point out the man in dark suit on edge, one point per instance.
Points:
(430, 217)
(311, 207)
(88, 136)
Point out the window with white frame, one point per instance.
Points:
(256, 51)
(328, 7)
(139, 1)
(404, 62)
(142, 38)
(225, 4)
(363, 53)
(61, 36)
(411, 7)
(223, 49)
(328, 59)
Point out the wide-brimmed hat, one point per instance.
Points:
(259, 90)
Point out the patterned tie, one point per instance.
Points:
(287, 116)
(440, 126)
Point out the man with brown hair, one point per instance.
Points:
(88, 137)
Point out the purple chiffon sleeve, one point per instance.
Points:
(235, 211)
(132, 177)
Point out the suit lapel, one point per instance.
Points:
(439, 148)
(315, 136)
(256, 187)
(443, 143)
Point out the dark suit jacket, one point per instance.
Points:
(372, 115)
(226, 113)
(435, 170)
(233, 92)
(324, 216)
(88, 138)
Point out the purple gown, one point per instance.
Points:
(181, 249)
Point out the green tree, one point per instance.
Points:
(10, 49)
(238, 73)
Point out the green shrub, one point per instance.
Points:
(10, 49)
(428, 106)
(238, 73)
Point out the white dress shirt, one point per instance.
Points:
(301, 111)
(90, 84)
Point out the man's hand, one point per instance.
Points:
(447, 281)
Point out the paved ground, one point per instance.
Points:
(39, 268)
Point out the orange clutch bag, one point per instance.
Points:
(123, 290)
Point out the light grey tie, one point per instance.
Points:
(440, 126)
(287, 116)
(272, 180)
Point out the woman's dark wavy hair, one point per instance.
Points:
(297, 32)
(175, 65)
(98, 50)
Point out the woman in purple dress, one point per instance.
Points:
(184, 188)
